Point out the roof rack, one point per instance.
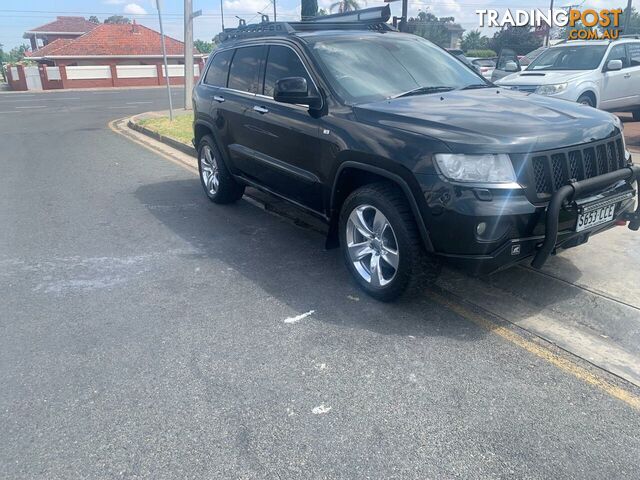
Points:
(367, 19)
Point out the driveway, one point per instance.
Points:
(147, 333)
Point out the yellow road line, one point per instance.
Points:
(556, 360)
(540, 351)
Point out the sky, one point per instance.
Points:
(18, 17)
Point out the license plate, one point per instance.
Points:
(593, 217)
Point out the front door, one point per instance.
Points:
(617, 89)
(284, 137)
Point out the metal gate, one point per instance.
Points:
(32, 75)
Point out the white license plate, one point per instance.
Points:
(590, 218)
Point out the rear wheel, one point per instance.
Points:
(381, 244)
(215, 178)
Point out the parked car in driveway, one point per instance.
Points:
(408, 155)
(601, 74)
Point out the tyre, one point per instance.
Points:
(215, 178)
(381, 244)
(586, 99)
(636, 115)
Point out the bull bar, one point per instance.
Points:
(576, 189)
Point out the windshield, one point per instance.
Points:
(585, 57)
(364, 69)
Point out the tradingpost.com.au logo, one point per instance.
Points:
(589, 24)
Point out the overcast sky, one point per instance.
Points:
(18, 17)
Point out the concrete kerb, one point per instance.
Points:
(182, 147)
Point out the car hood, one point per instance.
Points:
(491, 120)
(537, 77)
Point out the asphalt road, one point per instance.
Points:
(147, 333)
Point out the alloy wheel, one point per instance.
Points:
(372, 245)
(209, 170)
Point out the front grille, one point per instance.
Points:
(526, 88)
(551, 170)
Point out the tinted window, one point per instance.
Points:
(634, 53)
(219, 69)
(384, 66)
(282, 62)
(619, 53)
(582, 57)
(245, 67)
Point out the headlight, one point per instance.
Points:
(476, 168)
(551, 89)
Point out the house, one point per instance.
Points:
(106, 55)
(61, 28)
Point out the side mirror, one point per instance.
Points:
(614, 65)
(511, 67)
(295, 90)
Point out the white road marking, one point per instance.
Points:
(11, 111)
(34, 106)
(320, 410)
(137, 103)
(297, 318)
(122, 106)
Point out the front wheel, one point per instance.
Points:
(381, 244)
(587, 100)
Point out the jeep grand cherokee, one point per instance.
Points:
(407, 153)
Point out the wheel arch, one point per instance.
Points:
(200, 129)
(592, 92)
(352, 174)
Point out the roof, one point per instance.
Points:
(50, 47)
(117, 40)
(69, 25)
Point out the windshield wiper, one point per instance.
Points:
(475, 86)
(423, 91)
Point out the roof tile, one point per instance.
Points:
(67, 25)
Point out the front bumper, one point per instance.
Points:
(575, 190)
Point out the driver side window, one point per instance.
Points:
(283, 62)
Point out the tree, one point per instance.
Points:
(94, 19)
(117, 19)
(474, 40)
(16, 54)
(522, 40)
(345, 6)
(203, 46)
(427, 25)
(308, 9)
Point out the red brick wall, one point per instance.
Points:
(17, 83)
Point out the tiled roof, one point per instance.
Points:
(119, 40)
(67, 25)
(50, 47)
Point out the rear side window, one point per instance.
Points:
(634, 53)
(282, 62)
(219, 69)
(245, 69)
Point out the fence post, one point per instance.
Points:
(114, 74)
(160, 76)
(63, 75)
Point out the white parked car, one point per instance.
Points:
(601, 74)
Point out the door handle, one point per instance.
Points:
(218, 98)
(261, 110)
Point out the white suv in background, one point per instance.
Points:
(601, 74)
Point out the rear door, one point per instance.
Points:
(617, 87)
(634, 71)
(210, 94)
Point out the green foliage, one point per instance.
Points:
(94, 19)
(203, 46)
(474, 40)
(521, 40)
(634, 22)
(428, 26)
(308, 9)
(15, 55)
(481, 53)
(345, 6)
(117, 19)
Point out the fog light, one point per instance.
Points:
(481, 228)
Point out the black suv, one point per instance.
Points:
(408, 154)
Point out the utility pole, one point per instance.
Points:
(164, 56)
(189, 15)
(275, 18)
(222, 14)
(627, 18)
